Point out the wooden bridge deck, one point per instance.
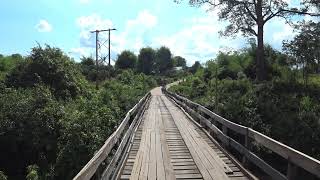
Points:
(168, 145)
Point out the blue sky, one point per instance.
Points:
(189, 32)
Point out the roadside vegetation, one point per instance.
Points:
(286, 106)
(52, 117)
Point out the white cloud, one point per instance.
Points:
(199, 40)
(43, 26)
(84, 1)
(285, 32)
(145, 19)
(80, 51)
(129, 38)
(93, 21)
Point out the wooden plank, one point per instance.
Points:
(161, 175)
(146, 150)
(139, 164)
(152, 169)
(169, 173)
(188, 176)
(203, 159)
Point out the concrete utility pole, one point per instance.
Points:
(98, 45)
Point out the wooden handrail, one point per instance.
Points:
(296, 157)
(293, 156)
(91, 167)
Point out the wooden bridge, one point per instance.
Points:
(166, 136)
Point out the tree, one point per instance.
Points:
(243, 15)
(305, 49)
(163, 60)
(88, 68)
(29, 123)
(2, 175)
(49, 66)
(126, 60)
(179, 61)
(195, 67)
(146, 60)
(7, 63)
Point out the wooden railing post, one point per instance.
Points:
(225, 132)
(292, 170)
(212, 121)
(224, 129)
(247, 145)
(200, 119)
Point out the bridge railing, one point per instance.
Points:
(108, 160)
(219, 127)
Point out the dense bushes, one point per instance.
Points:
(29, 128)
(52, 120)
(48, 66)
(283, 108)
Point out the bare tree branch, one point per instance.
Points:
(300, 12)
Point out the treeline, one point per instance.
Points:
(285, 107)
(52, 118)
(159, 63)
(150, 61)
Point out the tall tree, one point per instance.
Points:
(146, 60)
(305, 49)
(126, 60)
(179, 61)
(244, 15)
(163, 60)
(49, 66)
(195, 67)
(88, 68)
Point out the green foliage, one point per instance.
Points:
(7, 63)
(3, 176)
(146, 60)
(126, 60)
(41, 126)
(88, 68)
(32, 172)
(179, 61)
(304, 49)
(84, 128)
(163, 60)
(29, 128)
(48, 66)
(283, 108)
(193, 69)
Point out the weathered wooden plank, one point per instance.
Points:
(188, 176)
(161, 175)
(152, 173)
(231, 125)
(167, 162)
(198, 147)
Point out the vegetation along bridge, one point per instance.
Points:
(166, 136)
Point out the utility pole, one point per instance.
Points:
(98, 45)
